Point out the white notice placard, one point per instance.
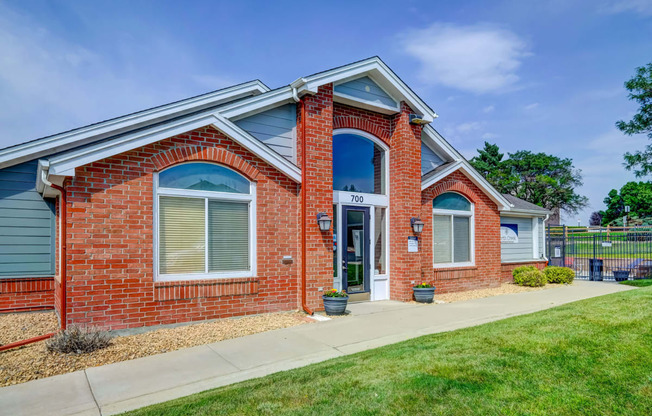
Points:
(413, 244)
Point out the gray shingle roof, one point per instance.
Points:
(522, 205)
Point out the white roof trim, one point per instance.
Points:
(466, 168)
(65, 164)
(367, 105)
(60, 142)
(440, 175)
(379, 73)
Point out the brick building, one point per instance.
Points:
(210, 207)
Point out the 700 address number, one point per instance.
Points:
(357, 198)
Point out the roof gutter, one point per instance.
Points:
(63, 232)
(62, 267)
(304, 183)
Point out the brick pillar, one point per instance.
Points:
(405, 203)
(318, 182)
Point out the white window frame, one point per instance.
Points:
(455, 213)
(206, 195)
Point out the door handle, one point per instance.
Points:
(344, 267)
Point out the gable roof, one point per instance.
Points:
(98, 131)
(66, 151)
(521, 205)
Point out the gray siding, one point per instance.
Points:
(522, 250)
(542, 238)
(26, 224)
(366, 90)
(429, 159)
(276, 128)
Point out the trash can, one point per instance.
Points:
(595, 269)
(621, 275)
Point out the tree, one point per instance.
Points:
(636, 195)
(539, 178)
(640, 90)
(595, 219)
(488, 160)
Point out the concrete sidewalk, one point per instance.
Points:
(128, 385)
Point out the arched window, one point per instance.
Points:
(452, 230)
(204, 222)
(358, 164)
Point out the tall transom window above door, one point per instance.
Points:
(205, 222)
(359, 164)
(453, 230)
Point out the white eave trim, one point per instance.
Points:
(524, 213)
(339, 97)
(65, 164)
(78, 137)
(475, 177)
(440, 175)
(377, 71)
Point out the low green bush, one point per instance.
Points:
(529, 276)
(559, 274)
(517, 272)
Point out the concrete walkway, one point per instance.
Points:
(128, 385)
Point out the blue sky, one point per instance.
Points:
(542, 76)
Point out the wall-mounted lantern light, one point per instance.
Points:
(417, 224)
(324, 221)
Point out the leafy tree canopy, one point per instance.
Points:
(539, 178)
(636, 195)
(595, 219)
(640, 90)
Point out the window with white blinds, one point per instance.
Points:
(452, 230)
(204, 232)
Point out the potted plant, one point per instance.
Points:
(424, 292)
(335, 301)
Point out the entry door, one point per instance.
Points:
(356, 259)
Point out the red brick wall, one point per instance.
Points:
(110, 240)
(506, 269)
(19, 295)
(487, 269)
(404, 199)
(318, 182)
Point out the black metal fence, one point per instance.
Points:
(602, 253)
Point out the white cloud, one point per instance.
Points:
(478, 58)
(531, 106)
(488, 109)
(489, 136)
(643, 7)
(468, 127)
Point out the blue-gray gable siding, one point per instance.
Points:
(366, 90)
(276, 128)
(26, 225)
(429, 159)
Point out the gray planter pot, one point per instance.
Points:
(424, 294)
(621, 275)
(335, 306)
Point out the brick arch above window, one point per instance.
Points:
(363, 124)
(451, 185)
(204, 154)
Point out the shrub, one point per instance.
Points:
(559, 274)
(517, 272)
(79, 340)
(529, 277)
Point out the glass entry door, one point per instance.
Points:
(356, 262)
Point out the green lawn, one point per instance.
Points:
(638, 283)
(592, 357)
